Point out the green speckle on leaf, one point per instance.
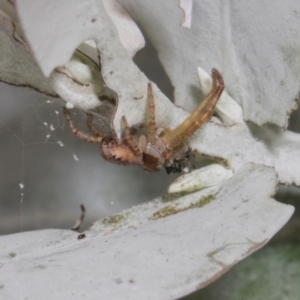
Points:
(12, 254)
(164, 212)
(203, 201)
(114, 219)
(172, 209)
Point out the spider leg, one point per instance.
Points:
(200, 115)
(92, 127)
(151, 116)
(128, 138)
(79, 133)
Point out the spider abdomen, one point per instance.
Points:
(119, 153)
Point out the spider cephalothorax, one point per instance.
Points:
(161, 147)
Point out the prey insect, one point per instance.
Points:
(160, 147)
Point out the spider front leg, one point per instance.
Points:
(200, 115)
(92, 127)
(129, 139)
(87, 137)
(151, 115)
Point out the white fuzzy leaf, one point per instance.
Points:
(130, 35)
(255, 46)
(17, 65)
(118, 70)
(66, 24)
(186, 6)
(201, 178)
(236, 142)
(159, 250)
(62, 28)
(192, 239)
